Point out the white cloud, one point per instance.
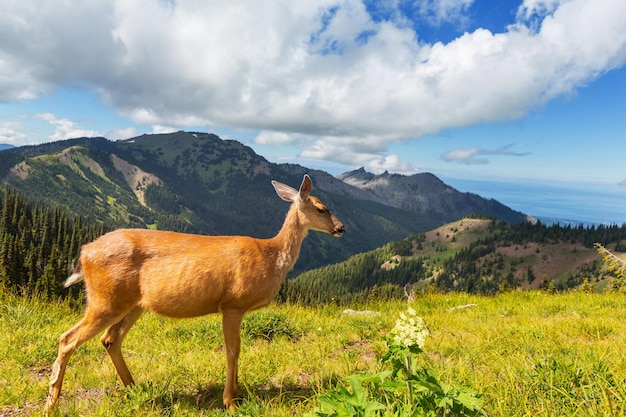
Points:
(318, 74)
(458, 155)
(470, 156)
(537, 8)
(163, 129)
(65, 128)
(465, 156)
(346, 155)
(391, 163)
(10, 134)
(277, 138)
(124, 133)
(441, 11)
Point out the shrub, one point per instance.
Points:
(268, 324)
(615, 265)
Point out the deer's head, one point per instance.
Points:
(313, 214)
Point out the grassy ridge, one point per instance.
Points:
(528, 353)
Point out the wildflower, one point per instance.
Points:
(410, 330)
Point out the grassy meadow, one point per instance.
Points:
(528, 354)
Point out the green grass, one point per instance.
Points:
(529, 354)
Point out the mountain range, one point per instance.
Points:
(199, 183)
(425, 193)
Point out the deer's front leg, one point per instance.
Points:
(231, 325)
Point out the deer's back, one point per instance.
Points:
(174, 274)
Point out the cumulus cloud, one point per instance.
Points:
(374, 162)
(537, 8)
(441, 11)
(65, 128)
(317, 74)
(10, 133)
(472, 156)
(279, 138)
(124, 133)
(163, 129)
(391, 163)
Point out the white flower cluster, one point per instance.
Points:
(410, 330)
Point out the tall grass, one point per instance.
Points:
(528, 353)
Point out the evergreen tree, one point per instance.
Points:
(38, 245)
(49, 286)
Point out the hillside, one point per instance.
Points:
(194, 183)
(471, 255)
(199, 183)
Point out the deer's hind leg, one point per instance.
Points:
(91, 324)
(112, 341)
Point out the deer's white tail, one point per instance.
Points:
(76, 277)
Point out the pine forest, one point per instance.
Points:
(39, 245)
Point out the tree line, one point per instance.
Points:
(39, 245)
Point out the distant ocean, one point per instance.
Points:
(554, 203)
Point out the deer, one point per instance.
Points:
(179, 275)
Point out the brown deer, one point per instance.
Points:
(181, 275)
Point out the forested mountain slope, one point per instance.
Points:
(471, 255)
(39, 245)
(199, 183)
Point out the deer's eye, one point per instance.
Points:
(322, 211)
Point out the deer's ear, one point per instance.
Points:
(285, 192)
(305, 187)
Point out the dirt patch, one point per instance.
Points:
(136, 178)
(548, 260)
(38, 373)
(392, 263)
(298, 380)
(362, 349)
(20, 170)
(72, 157)
(26, 410)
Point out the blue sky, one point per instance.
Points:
(530, 90)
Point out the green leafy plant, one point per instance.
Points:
(403, 390)
(349, 403)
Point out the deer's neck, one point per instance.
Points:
(289, 241)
